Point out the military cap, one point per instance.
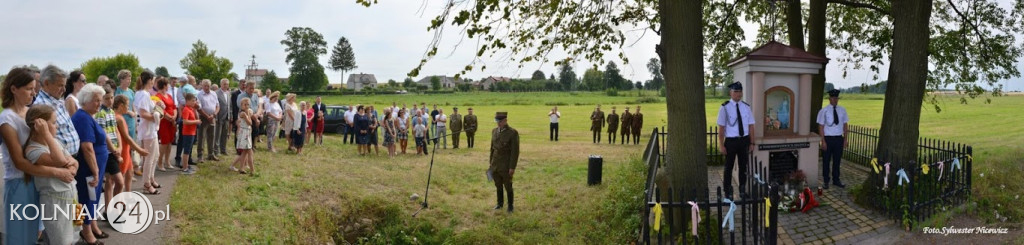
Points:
(736, 86)
(833, 93)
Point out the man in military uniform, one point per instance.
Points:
(469, 124)
(596, 122)
(504, 158)
(455, 122)
(832, 127)
(613, 126)
(735, 136)
(638, 123)
(627, 124)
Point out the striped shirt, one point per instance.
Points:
(66, 133)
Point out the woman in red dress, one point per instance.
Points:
(167, 125)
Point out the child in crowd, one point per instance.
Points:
(188, 131)
(43, 148)
(244, 139)
(421, 144)
(127, 143)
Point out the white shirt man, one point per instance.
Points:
(208, 101)
(735, 135)
(832, 121)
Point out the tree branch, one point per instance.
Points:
(859, 5)
(977, 31)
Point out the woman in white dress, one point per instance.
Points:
(273, 112)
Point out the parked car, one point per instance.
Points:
(335, 118)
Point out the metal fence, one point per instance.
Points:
(947, 181)
(749, 212)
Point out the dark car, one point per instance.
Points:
(335, 118)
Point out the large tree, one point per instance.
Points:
(537, 75)
(304, 47)
(593, 79)
(109, 66)
(612, 78)
(342, 58)
(162, 71)
(567, 77)
(657, 79)
(272, 82)
(203, 63)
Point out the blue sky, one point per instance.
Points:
(388, 39)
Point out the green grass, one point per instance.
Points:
(329, 194)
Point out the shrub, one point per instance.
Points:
(611, 92)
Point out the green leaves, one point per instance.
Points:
(203, 63)
(109, 66)
(304, 47)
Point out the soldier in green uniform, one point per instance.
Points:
(455, 123)
(627, 124)
(504, 158)
(613, 126)
(596, 122)
(469, 124)
(638, 123)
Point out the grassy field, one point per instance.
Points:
(329, 194)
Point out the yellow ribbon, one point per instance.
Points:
(924, 168)
(970, 158)
(874, 165)
(657, 216)
(767, 207)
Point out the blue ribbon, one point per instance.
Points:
(729, 216)
(956, 164)
(758, 178)
(902, 177)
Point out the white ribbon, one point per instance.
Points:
(694, 217)
(956, 164)
(758, 178)
(885, 179)
(941, 169)
(902, 177)
(729, 215)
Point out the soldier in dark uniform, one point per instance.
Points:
(638, 123)
(469, 124)
(504, 158)
(596, 122)
(613, 126)
(455, 123)
(627, 124)
(735, 136)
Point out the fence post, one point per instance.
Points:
(773, 214)
(970, 162)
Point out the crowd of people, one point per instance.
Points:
(78, 141)
(367, 127)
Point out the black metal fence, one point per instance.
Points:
(714, 155)
(940, 175)
(749, 212)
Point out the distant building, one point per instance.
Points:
(486, 83)
(446, 81)
(359, 81)
(255, 75)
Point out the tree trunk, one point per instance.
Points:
(908, 71)
(682, 59)
(816, 45)
(794, 24)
